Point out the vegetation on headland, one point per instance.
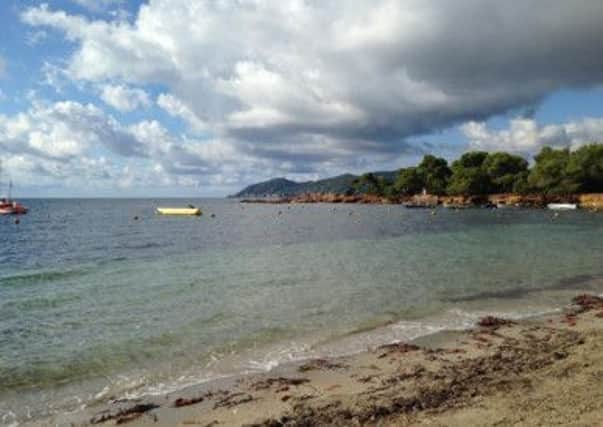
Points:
(554, 172)
(281, 187)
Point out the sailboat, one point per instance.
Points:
(7, 205)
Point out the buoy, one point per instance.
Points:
(136, 218)
(213, 215)
(433, 213)
(17, 221)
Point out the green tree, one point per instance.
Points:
(549, 172)
(471, 159)
(468, 175)
(435, 174)
(584, 170)
(520, 185)
(409, 181)
(372, 184)
(504, 170)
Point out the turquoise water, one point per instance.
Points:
(96, 305)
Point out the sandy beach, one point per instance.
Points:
(542, 371)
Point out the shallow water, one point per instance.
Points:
(96, 305)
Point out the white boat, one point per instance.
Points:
(562, 206)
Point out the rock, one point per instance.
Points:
(494, 322)
(319, 364)
(124, 415)
(280, 381)
(588, 302)
(179, 403)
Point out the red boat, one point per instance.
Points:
(8, 206)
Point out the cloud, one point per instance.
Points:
(124, 98)
(65, 143)
(34, 38)
(313, 87)
(70, 143)
(177, 108)
(65, 130)
(382, 69)
(526, 137)
(97, 5)
(54, 76)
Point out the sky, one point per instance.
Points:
(117, 98)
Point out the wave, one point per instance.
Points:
(37, 303)
(583, 282)
(35, 278)
(229, 364)
(148, 245)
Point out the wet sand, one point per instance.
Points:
(541, 371)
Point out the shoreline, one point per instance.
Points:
(592, 201)
(445, 374)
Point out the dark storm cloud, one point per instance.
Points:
(314, 83)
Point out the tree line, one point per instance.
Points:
(554, 172)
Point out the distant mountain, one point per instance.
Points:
(282, 187)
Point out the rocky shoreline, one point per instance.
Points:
(585, 201)
(531, 372)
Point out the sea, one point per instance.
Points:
(103, 299)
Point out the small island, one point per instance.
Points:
(477, 178)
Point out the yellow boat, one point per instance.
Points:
(179, 211)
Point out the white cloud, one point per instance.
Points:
(67, 143)
(54, 77)
(381, 70)
(63, 131)
(97, 5)
(177, 108)
(303, 87)
(525, 136)
(35, 37)
(124, 98)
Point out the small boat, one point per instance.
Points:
(562, 206)
(455, 206)
(503, 205)
(8, 206)
(419, 206)
(11, 208)
(179, 211)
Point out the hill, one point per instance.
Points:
(282, 187)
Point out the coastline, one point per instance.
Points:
(498, 373)
(584, 201)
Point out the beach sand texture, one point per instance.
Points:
(545, 371)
